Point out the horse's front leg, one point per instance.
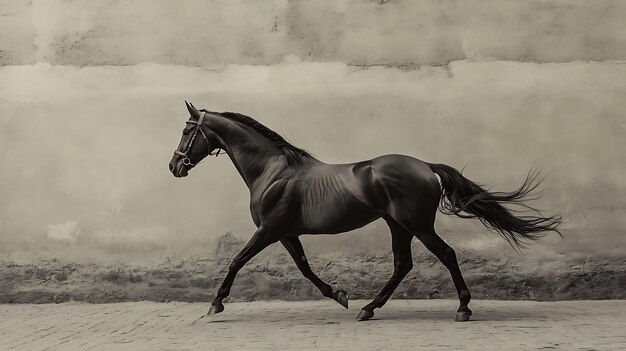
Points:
(295, 249)
(259, 241)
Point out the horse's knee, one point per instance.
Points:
(403, 268)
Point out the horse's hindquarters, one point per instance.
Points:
(406, 189)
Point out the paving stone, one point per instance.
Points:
(306, 325)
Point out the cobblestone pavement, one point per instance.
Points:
(278, 325)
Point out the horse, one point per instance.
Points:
(292, 193)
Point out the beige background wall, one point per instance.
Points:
(413, 33)
(91, 107)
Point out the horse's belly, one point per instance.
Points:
(338, 216)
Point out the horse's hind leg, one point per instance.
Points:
(446, 255)
(294, 247)
(403, 262)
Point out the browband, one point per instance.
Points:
(202, 113)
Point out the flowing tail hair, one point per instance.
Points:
(466, 199)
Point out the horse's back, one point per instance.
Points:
(339, 197)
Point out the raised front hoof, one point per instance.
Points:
(364, 315)
(463, 316)
(215, 309)
(341, 297)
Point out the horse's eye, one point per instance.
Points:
(185, 131)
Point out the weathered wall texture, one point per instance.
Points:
(196, 32)
(91, 108)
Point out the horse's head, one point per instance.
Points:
(197, 142)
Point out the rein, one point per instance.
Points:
(198, 128)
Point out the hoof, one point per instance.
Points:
(341, 297)
(215, 309)
(463, 316)
(364, 315)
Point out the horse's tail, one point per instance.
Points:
(466, 199)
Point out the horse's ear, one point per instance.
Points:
(192, 110)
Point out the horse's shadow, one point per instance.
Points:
(480, 315)
(324, 316)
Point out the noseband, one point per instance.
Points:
(198, 128)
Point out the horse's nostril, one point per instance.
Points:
(171, 167)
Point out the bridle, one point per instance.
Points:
(197, 128)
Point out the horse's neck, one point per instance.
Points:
(252, 154)
(252, 166)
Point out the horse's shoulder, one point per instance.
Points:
(274, 191)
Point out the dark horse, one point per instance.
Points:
(292, 193)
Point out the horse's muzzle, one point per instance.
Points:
(179, 169)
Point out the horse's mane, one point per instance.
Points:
(294, 154)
